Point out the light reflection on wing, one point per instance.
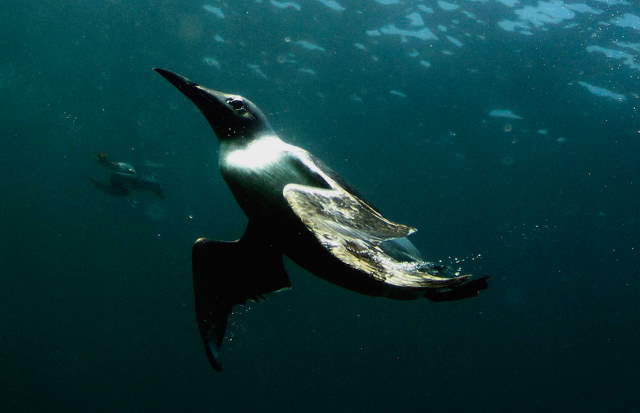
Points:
(353, 231)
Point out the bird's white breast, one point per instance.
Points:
(258, 171)
(257, 154)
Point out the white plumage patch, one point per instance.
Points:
(258, 153)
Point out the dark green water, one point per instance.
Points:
(95, 293)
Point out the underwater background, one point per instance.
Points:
(506, 131)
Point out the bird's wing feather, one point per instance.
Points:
(352, 231)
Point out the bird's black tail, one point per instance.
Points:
(226, 274)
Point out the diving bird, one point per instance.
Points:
(124, 178)
(298, 207)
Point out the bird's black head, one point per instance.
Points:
(230, 116)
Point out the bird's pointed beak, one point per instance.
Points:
(175, 79)
(206, 99)
(212, 103)
(216, 106)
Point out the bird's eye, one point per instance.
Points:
(237, 104)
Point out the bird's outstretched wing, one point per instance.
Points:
(353, 231)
